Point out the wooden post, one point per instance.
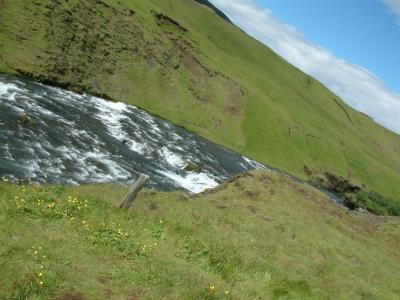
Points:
(136, 187)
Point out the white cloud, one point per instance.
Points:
(356, 85)
(394, 6)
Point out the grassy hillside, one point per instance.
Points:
(261, 236)
(179, 60)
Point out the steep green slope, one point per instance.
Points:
(261, 236)
(179, 60)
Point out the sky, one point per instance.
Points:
(352, 46)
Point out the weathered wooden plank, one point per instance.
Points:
(136, 187)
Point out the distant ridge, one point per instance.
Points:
(216, 10)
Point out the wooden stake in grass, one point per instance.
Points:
(136, 187)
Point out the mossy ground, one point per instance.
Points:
(261, 236)
(202, 73)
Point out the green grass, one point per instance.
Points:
(261, 236)
(6, 69)
(213, 79)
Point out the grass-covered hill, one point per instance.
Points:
(261, 236)
(180, 60)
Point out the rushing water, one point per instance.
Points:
(72, 139)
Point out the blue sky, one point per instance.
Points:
(352, 46)
(363, 32)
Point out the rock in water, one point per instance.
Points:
(24, 118)
(192, 167)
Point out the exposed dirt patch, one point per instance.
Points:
(70, 296)
(203, 79)
(165, 20)
(236, 105)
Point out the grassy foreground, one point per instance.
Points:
(179, 60)
(261, 236)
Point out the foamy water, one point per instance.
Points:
(75, 139)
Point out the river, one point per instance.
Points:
(50, 135)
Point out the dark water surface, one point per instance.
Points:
(73, 139)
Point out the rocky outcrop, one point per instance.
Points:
(336, 184)
(354, 197)
(340, 185)
(328, 180)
